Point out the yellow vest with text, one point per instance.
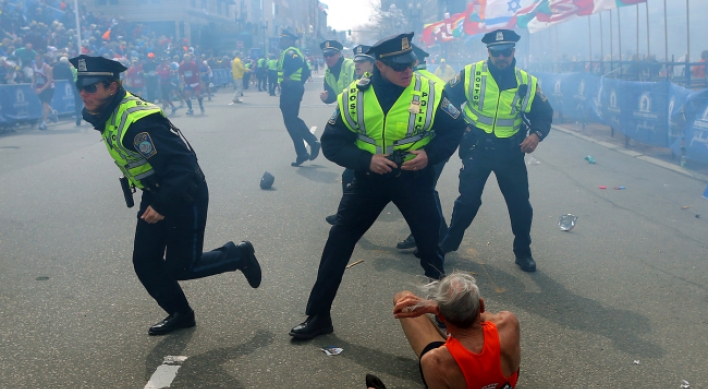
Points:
(347, 74)
(134, 166)
(295, 76)
(492, 111)
(407, 125)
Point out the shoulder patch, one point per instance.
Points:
(456, 80)
(540, 94)
(335, 115)
(450, 109)
(144, 145)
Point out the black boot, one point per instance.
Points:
(300, 159)
(315, 150)
(174, 321)
(331, 219)
(526, 263)
(407, 243)
(315, 325)
(247, 262)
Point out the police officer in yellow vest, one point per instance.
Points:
(154, 157)
(272, 65)
(340, 71)
(499, 97)
(390, 129)
(292, 87)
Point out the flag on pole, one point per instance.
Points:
(551, 12)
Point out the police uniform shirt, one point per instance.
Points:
(173, 161)
(336, 71)
(339, 143)
(541, 114)
(292, 63)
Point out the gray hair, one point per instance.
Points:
(458, 297)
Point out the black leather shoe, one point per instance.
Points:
(315, 150)
(315, 325)
(173, 322)
(300, 159)
(407, 243)
(331, 219)
(526, 263)
(248, 264)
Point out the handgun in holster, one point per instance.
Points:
(128, 191)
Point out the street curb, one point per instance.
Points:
(634, 154)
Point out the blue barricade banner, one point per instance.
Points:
(63, 101)
(20, 103)
(696, 130)
(571, 94)
(221, 77)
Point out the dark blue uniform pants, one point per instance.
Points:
(171, 250)
(362, 202)
(348, 177)
(290, 98)
(272, 81)
(512, 177)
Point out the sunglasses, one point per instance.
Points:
(330, 54)
(399, 67)
(506, 52)
(90, 89)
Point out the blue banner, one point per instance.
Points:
(571, 94)
(63, 101)
(695, 138)
(20, 103)
(221, 77)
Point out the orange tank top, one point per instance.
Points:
(482, 371)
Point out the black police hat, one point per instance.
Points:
(288, 34)
(500, 39)
(394, 49)
(330, 46)
(90, 70)
(420, 53)
(267, 181)
(360, 53)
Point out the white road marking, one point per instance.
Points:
(164, 375)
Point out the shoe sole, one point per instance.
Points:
(526, 269)
(323, 331)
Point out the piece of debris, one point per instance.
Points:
(533, 161)
(332, 351)
(685, 384)
(636, 361)
(602, 186)
(685, 207)
(698, 216)
(354, 263)
(567, 222)
(619, 188)
(590, 159)
(267, 181)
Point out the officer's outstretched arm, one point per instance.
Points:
(541, 114)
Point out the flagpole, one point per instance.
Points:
(612, 44)
(619, 37)
(590, 38)
(637, 52)
(688, 33)
(78, 26)
(646, 4)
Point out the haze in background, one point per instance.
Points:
(348, 14)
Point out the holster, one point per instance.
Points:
(128, 191)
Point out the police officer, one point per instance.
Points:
(340, 71)
(422, 69)
(499, 97)
(261, 74)
(292, 87)
(155, 157)
(272, 65)
(363, 62)
(421, 129)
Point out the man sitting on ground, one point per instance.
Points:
(482, 349)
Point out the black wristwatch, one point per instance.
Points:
(539, 134)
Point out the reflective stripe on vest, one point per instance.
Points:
(295, 76)
(430, 76)
(347, 75)
(134, 165)
(495, 112)
(402, 128)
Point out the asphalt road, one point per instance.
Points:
(619, 301)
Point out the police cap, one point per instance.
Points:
(360, 53)
(267, 181)
(394, 49)
(330, 46)
(420, 53)
(288, 34)
(91, 70)
(500, 39)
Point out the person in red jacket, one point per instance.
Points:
(482, 349)
(189, 72)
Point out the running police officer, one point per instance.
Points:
(340, 71)
(272, 65)
(291, 67)
(499, 97)
(421, 128)
(422, 69)
(155, 157)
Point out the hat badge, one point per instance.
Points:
(500, 36)
(82, 65)
(327, 45)
(405, 45)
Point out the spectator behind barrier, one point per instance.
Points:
(482, 349)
